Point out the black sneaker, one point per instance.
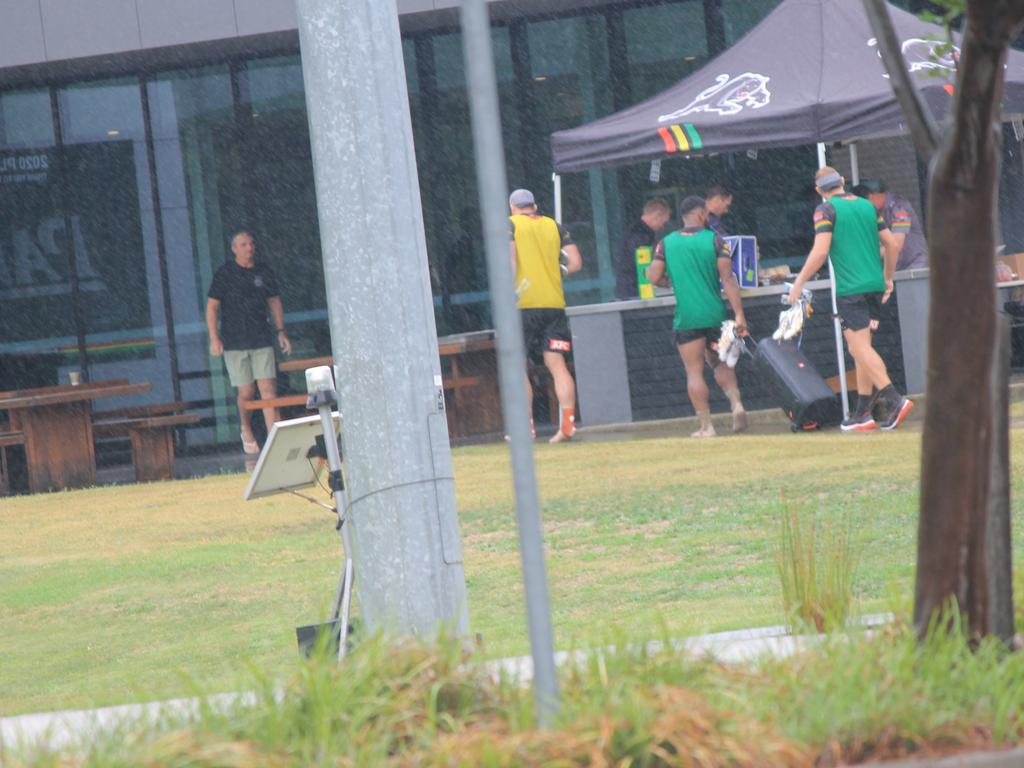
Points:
(897, 412)
(858, 422)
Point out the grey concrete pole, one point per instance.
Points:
(490, 174)
(407, 547)
(998, 541)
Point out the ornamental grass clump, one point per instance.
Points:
(816, 559)
(854, 697)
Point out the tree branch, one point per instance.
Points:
(923, 130)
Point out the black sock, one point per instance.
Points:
(863, 403)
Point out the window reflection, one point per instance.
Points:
(35, 276)
(109, 207)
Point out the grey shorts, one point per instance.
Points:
(248, 365)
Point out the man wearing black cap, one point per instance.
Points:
(536, 245)
(697, 260)
(904, 223)
(848, 229)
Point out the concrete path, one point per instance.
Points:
(66, 728)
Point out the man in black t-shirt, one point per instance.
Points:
(643, 235)
(242, 295)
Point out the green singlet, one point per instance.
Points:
(691, 260)
(855, 248)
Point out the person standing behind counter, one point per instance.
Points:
(718, 202)
(904, 223)
(642, 235)
(696, 260)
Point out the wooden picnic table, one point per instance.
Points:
(56, 423)
(469, 377)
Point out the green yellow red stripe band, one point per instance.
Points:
(666, 136)
(681, 138)
(695, 140)
(684, 143)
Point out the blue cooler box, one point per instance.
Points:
(744, 259)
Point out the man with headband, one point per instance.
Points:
(848, 229)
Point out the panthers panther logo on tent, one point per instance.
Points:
(925, 55)
(727, 96)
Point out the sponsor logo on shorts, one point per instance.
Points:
(558, 345)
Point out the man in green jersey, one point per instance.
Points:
(697, 261)
(848, 229)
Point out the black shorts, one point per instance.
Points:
(860, 311)
(710, 336)
(545, 330)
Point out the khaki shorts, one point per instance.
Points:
(247, 365)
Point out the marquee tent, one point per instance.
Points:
(809, 72)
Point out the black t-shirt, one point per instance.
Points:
(243, 295)
(639, 235)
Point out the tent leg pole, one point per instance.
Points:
(854, 164)
(557, 181)
(844, 396)
(840, 357)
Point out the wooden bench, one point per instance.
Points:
(8, 439)
(152, 441)
(296, 400)
(142, 411)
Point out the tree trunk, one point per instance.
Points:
(957, 441)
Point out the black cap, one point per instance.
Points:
(874, 186)
(690, 204)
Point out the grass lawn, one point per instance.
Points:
(138, 592)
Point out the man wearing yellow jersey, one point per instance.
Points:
(536, 245)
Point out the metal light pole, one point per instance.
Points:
(405, 530)
(490, 173)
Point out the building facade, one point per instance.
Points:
(137, 135)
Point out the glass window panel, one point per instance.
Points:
(278, 193)
(664, 44)
(26, 119)
(94, 112)
(665, 32)
(109, 204)
(194, 141)
(571, 86)
(742, 15)
(35, 275)
(412, 79)
(273, 84)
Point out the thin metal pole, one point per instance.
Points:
(854, 164)
(837, 327)
(344, 599)
(558, 196)
(490, 169)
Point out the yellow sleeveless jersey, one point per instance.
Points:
(538, 276)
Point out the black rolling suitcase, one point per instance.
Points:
(799, 389)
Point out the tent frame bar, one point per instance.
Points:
(837, 326)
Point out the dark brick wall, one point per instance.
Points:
(657, 382)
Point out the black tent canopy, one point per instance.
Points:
(809, 72)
